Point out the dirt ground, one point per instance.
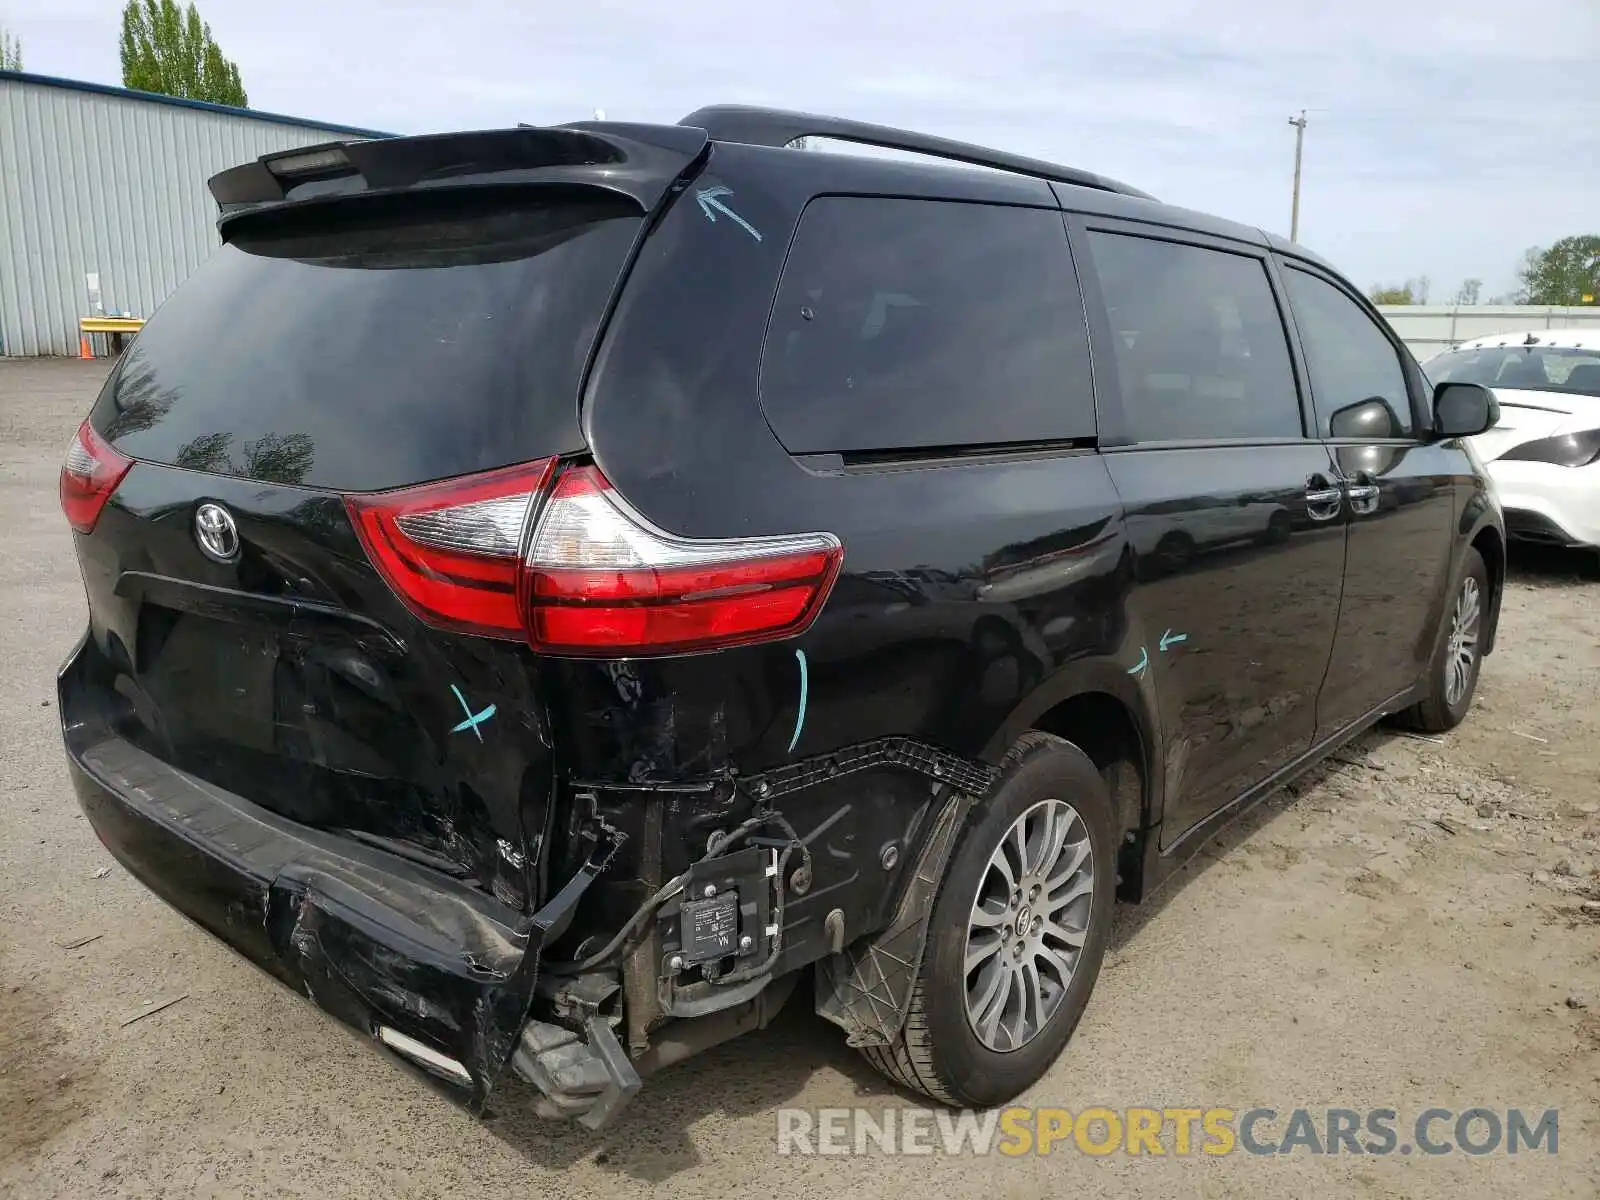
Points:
(1414, 926)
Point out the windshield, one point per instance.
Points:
(377, 345)
(1532, 368)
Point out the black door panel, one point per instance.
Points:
(1237, 600)
(1399, 497)
(1401, 515)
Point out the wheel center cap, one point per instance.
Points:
(1024, 918)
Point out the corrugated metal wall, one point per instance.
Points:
(1430, 329)
(113, 185)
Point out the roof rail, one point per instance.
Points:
(757, 126)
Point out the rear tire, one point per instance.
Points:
(976, 1038)
(1458, 657)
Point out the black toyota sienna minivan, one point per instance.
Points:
(554, 590)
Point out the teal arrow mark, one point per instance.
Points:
(711, 204)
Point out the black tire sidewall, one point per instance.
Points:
(976, 1075)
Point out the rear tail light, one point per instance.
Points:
(452, 551)
(89, 475)
(591, 576)
(601, 580)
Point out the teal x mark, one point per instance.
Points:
(474, 719)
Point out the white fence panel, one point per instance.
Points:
(1431, 328)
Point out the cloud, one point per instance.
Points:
(1445, 136)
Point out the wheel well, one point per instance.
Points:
(1102, 727)
(1492, 550)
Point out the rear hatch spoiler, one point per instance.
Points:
(638, 161)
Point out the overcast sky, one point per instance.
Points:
(1445, 136)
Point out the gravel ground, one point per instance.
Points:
(1415, 925)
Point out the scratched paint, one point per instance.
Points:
(474, 719)
(711, 205)
(805, 687)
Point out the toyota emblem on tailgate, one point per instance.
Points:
(215, 531)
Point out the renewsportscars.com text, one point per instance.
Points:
(1017, 1131)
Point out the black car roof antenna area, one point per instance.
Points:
(778, 127)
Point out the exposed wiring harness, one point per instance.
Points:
(631, 929)
(765, 967)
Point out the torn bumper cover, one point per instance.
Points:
(438, 973)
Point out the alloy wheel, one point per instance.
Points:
(1462, 651)
(1027, 926)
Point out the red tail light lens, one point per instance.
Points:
(602, 580)
(89, 475)
(452, 551)
(593, 577)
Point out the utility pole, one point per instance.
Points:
(1299, 124)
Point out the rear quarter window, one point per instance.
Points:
(917, 325)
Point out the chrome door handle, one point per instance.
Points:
(1322, 503)
(1363, 497)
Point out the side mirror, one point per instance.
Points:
(1463, 410)
(1366, 420)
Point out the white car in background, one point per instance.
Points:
(1544, 453)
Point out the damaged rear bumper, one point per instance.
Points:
(705, 926)
(436, 972)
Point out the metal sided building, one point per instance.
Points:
(100, 185)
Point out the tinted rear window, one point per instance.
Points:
(917, 324)
(383, 345)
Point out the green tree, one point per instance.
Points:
(1469, 291)
(1412, 291)
(169, 50)
(10, 52)
(1389, 293)
(1564, 274)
